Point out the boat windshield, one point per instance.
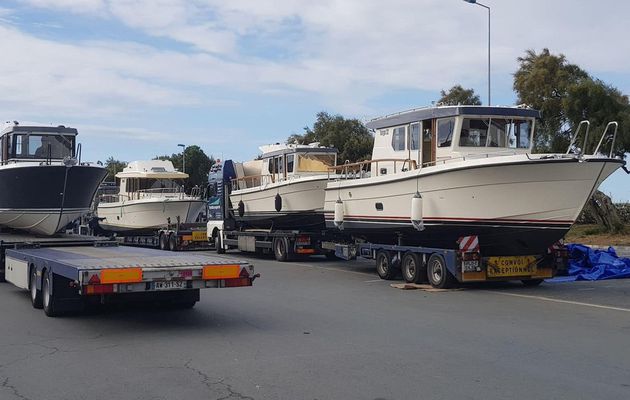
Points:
(152, 185)
(41, 146)
(495, 132)
(312, 162)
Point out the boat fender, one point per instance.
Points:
(416, 212)
(278, 201)
(241, 208)
(339, 214)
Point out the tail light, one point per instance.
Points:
(303, 240)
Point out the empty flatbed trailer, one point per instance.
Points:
(64, 273)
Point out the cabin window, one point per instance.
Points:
(519, 133)
(290, 162)
(445, 128)
(315, 162)
(398, 138)
(497, 134)
(280, 164)
(474, 132)
(414, 137)
(42, 146)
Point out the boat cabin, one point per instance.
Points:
(280, 162)
(428, 136)
(153, 178)
(36, 143)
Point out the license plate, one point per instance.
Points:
(170, 285)
(471, 266)
(199, 236)
(499, 267)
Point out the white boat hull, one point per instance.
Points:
(302, 203)
(45, 222)
(516, 205)
(147, 214)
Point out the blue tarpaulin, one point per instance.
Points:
(586, 264)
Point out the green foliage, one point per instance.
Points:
(458, 95)
(542, 81)
(113, 167)
(565, 94)
(197, 165)
(351, 138)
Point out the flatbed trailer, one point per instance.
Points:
(173, 237)
(284, 244)
(65, 273)
(442, 268)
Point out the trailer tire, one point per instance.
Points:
(385, 265)
(36, 294)
(217, 244)
(532, 282)
(438, 274)
(48, 295)
(172, 241)
(163, 241)
(281, 249)
(413, 269)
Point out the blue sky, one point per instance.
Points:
(139, 76)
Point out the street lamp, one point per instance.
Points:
(487, 8)
(183, 146)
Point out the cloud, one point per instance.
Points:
(346, 52)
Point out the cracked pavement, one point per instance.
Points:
(326, 330)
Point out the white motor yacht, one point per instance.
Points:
(284, 188)
(440, 173)
(151, 194)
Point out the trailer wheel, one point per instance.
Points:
(532, 282)
(36, 294)
(280, 249)
(48, 295)
(163, 241)
(413, 269)
(385, 265)
(217, 244)
(438, 274)
(172, 242)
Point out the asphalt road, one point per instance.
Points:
(328, 330)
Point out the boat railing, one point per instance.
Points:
(363, 169)
(605, 136)
(614, 137)
(112, 198)
(250, 181)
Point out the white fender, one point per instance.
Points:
(416, 212)
(339, 214)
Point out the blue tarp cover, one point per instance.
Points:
(586, 264)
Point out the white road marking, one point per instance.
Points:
(576, 303)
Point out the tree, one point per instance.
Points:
(458, 95)
(113, 167)
(349, 136)
(542, 81)
(197, 165)
(565, 94)
(599, 103)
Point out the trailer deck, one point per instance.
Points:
(66, 270)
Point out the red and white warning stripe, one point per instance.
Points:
(468, 243)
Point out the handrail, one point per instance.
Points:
(612, 145)
(251, 178)
(575, 135)
(359, 166)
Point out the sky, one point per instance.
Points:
(138, 77)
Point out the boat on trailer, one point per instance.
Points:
(284, 188)
(44, 186)
(440, 173)
(150, 195)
